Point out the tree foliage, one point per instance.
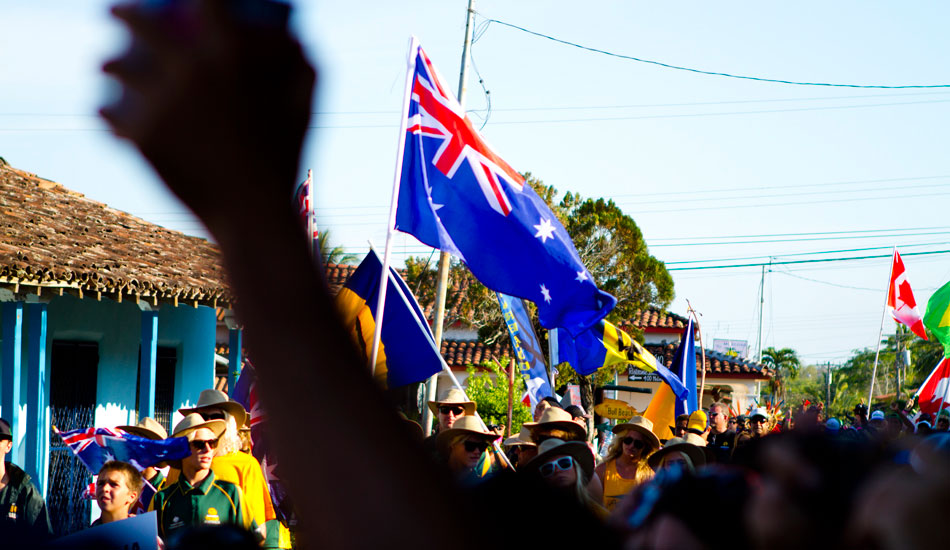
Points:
(333, 254)
(488, 388)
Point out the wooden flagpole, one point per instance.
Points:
(390, 229)
(880, 334)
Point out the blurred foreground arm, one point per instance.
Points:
(219, 106)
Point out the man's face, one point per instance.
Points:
(717, 420)
(760, 426)
(6, 445)
(943, 423)
(681, 426)
(448, 414)
(113, 493)
(202, 445)
(540, 409)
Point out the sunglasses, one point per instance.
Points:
(472, 446)
(454, 410)
(637, 443)
(199, 444)
(217, 415)
(556, 465)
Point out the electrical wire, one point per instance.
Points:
(700, 71)
(759, 264)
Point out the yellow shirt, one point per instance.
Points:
(617, 487)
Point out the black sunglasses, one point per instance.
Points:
(199, 444)
(637, 443)
(216, 415)
(561, 463)
(472, 446)
(454, 410)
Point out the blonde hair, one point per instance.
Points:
(230, 441)
(644, 472)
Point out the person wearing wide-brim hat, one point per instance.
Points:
(452, 406)
(230, 464)
(198, 496)
(625, 465)
(521, 448)
(568, 466)
(462, 446)
(150, 429)
(556, 423)
(687, 452)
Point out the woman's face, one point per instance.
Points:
(634, 445)
(466, 453)
(559, 471)
(675, 458)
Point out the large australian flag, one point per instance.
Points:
(458, 195)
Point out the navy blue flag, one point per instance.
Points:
(96, 446)
(456, 194)
(684, 366)
(527, 348)
(407, 348)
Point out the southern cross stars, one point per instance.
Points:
(581, 276)
(546, 293)
(545, 230)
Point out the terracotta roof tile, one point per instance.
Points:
(56, 238)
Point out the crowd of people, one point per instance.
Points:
(219, 103)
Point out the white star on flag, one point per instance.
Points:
(434, 205)
(545, 230)
(581, 276)
(546, 293)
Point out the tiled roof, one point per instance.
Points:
(54, 238)
(657, 318)
(461, 354)
(716, 363)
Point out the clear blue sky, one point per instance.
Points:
(692, 157)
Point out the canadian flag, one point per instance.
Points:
(900, 298)
(934, 390)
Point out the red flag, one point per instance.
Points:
(900, 298)
(934, 389)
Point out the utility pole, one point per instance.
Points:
(761, 309)
(444, 257)
(828, 386)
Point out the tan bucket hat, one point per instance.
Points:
(683, 445)
(453, 396)
(219, 400)
(555, 418)
(551, 448)
(641, 425)
(193, 422)
(523, 438)
(468, 425)
(147, 428)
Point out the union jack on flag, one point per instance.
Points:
(303, 201)
(458, 195)
(96, 446)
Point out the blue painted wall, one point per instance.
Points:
(192, 332)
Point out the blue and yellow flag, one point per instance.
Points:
(407, 352)
(605, 345)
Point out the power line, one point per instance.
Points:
(804, 234)
(759, 264)
(661, 245)
(816, 253)
(710, 73)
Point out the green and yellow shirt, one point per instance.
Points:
(212, 501)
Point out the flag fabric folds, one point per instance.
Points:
(936, 389)
(661, 411)
(684, 367)
(303, 201)
(96, 446)
(604, 345)
(407, 348)
(527, 348)
(900, 298)
(937, 317)
(456, 194)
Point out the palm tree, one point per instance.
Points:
(333, 254)
(785, 363)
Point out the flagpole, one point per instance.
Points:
(444, 257)
(880, 333)
(383, 276)
(702, 349)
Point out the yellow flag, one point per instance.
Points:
(359, 319)
(621, 348)
(661, 411)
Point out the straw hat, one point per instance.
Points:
(217, 399)
(147, 428)
(641, 425)
(467, 425)
(523, 438)
(683, 445)
(193, 422)
(554, 418)
(453, 396)
(551, 448)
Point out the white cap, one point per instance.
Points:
(877, 415)
(761, 411)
